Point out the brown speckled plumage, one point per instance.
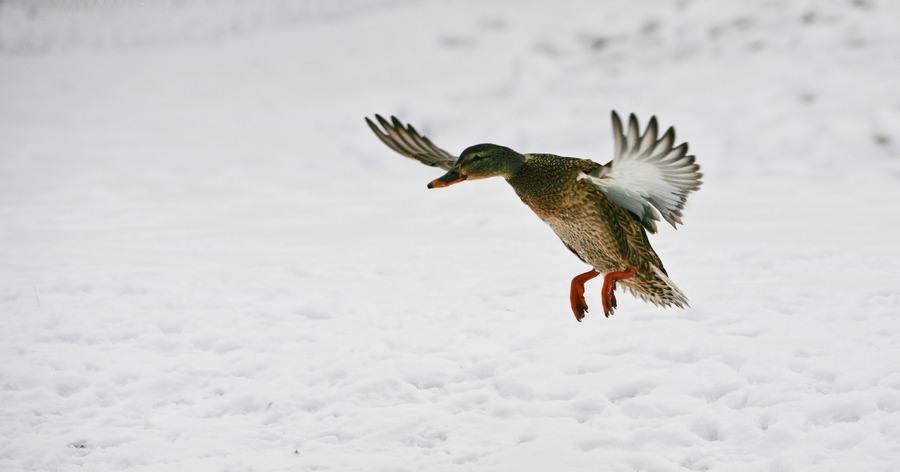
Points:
(601, 212)
(601, 233)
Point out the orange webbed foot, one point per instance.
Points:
(576, 294)
(609, 289)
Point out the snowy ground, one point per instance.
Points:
(207, 262)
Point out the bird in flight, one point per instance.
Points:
(601, 212)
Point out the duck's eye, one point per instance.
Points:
(478, 157)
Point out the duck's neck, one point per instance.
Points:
(514, 164)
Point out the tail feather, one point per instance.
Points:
(656, 288)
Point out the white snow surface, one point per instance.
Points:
(208, 262)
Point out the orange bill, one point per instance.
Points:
(450, 178)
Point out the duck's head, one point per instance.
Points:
(479, 162)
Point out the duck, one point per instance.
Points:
(601, 212)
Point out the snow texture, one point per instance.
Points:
(208, 262)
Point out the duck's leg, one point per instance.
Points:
(576, 294)
(609, 289)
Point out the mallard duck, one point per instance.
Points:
(601, 212)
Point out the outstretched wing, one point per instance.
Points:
(647, 176)
(407, 141)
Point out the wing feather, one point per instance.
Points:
(405, 140)
(648, 176)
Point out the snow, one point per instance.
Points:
(208, 262)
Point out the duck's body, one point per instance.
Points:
(600, 212)
(601, 233)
